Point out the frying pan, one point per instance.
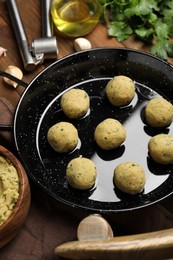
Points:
(39, 108)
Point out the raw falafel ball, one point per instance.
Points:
(159, 112)
(75, 103)
(109, 134)
(120, 90)
(130, 177)
(160, 148)
(81, 173)
(62, 137)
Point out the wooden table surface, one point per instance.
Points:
(30, 13)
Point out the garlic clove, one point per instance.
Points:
(81, 44)
(2, 51)
(14, 71)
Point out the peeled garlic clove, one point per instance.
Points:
(2, 52)
(81, 44)
(14, 71)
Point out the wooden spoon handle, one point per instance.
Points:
(153, 245)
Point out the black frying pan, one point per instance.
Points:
(39, 108)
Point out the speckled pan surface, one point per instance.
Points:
(39, 108)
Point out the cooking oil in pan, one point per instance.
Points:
(75, 18)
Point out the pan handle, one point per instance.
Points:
(11, 77)
(5, 127)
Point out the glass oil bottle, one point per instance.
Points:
(74, 18)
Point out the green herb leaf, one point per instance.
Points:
(146, 34)
(120, 30)
(161, 30)
(163, 49)
(150, 20)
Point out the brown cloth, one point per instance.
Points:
(51, 223)
(6, 118)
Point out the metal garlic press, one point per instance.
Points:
(41, 48)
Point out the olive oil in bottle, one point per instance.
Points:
(74, 18)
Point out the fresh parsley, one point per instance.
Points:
(150, 20)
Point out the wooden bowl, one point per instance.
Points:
(15, 221)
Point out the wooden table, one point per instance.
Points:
(30, 14)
